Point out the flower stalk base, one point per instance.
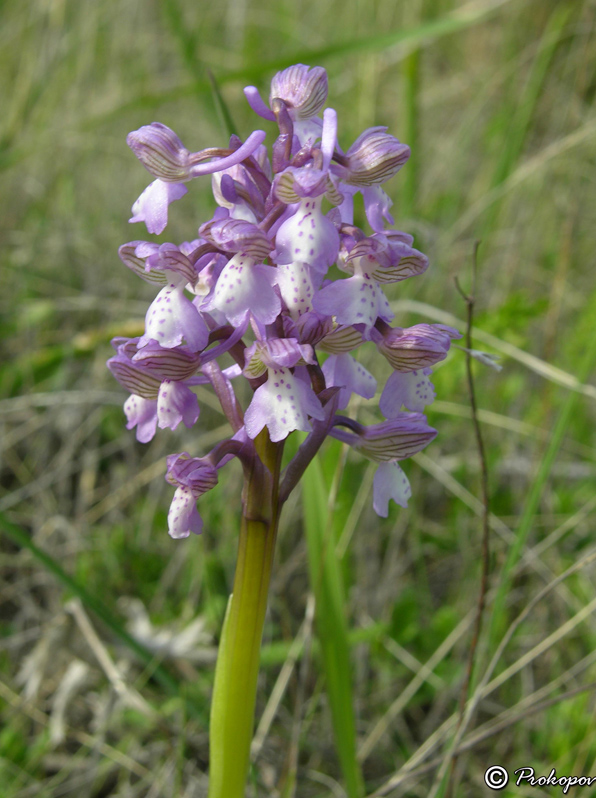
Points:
(237, 670)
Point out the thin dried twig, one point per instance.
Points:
(470, 300)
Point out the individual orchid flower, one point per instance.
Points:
(285, 402)
(161, 152)
(158, 379)
(192, 476)
(303, 92)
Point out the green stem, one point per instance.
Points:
(236, 674)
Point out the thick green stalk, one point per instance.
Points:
(236, 674)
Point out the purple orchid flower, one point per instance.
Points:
(255, 284)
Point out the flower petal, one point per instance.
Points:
(172, 318)
(345, 372)
(183, 516)
(390, 482)
(142, 414)
(283, 405)
(152, 206)
(176, 403)
(413, 390)
(244, 287)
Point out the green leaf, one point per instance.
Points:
(331, 624)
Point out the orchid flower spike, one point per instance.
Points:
(255, 286)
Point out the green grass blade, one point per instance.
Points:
(187, 40)
(223, 111)
(535, 494)
(165, 679)
(524, 112)
(419, 35)
(326, 583)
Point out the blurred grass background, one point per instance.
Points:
(496, 100)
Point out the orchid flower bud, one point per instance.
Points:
(303, 90)
(416, 347)
(374, 157)
(161, 152)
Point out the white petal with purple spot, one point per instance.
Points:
(176, 403)
(245, 286)
(296, 287)
(183, 517)
(142, 414)
(172, 318)
(283, 405)
(412, 390)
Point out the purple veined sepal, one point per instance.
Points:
(350, 377)
(158, 264)
(373, 158)
(388, 256)
(414, 348)
(395, 439)
(309, 327)
(237, 235)
(390, 482)
(341, 339)
(128, 254)
(412, 390)
(192, 477)
(152, 205)
(135, 377)
(303, 91)
(161, 152)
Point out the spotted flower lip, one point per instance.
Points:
(412, 390)
(285, 403)
(254, 284)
